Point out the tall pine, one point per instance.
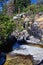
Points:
(20, 4)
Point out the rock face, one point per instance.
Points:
(35, 30)
(20, 60)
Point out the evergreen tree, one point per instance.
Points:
(21, 4)
(17, 5)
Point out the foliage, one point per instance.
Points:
(18, 4)
(21, 4)
(35, 8)
(6, 26)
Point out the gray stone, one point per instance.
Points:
(36, 52)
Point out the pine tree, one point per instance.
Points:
(21, 4)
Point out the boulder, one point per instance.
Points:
(36, 52)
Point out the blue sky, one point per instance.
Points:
(32, 1)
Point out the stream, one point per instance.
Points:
(2, 58)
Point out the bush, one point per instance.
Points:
(6, 27)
